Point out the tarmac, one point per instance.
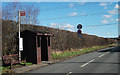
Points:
(23, 69)
(34, 66)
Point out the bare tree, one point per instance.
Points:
(10, 12)
(6, 13)
(31, 14)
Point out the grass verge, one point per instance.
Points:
(71, 53)
(8, 70)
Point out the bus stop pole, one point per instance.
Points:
(19, 35)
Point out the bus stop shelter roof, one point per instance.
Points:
(39, 33)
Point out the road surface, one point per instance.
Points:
(101, 61)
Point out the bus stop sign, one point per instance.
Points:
(22, 13)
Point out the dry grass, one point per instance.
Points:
(69, 53)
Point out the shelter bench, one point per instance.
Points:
(12, 59)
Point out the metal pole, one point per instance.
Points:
(19, 36)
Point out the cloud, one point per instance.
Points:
(107, 16)
(63, 26)
(105, 7)
(108, 33)
(82, 2)
(104, 21)
(66, 26)
(69, 26)
(54, 25)
(117, 19)
(107, 19)
(113, 11)
(71, 5)
(72, 30)
(103, 4)
(73, 14)
(117, 6)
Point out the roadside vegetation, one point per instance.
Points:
(7, 69)
(71, 53)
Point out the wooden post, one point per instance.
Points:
(49, 49)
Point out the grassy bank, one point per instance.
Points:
(71, 53)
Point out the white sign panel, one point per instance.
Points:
(21, 44)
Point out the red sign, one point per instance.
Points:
(22, 13)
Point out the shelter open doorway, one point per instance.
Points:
(44, 48)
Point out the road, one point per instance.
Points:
(101, 61)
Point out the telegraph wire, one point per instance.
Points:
(72, 16)
(83, 25)
(105, 24)
(65, 7)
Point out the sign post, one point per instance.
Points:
(20, 13)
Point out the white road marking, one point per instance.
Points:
(101, 55)
(108, 52)
(92, 60)
(109, 48)
(69, 73)
(87, 62)
(106, 48)
(84, 64)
